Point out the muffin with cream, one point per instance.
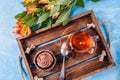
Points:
(45, 60)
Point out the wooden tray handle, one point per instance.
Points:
(20, 66)
(108, 31)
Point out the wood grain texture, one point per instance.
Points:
(44, 35)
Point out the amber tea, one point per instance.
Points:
(81, 41)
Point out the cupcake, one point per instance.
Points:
(45, 60)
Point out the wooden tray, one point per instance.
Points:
(74, 69)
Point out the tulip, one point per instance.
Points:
(55, 15)
(19, 21)
(31, 9)
(25, 30)
(17, 30)
(28, 1)
(43, 1)
(49, 7)
(22, 30)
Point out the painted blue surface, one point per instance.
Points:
(104, 10)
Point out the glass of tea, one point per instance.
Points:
(82, 42)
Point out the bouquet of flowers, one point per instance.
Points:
(42, 13)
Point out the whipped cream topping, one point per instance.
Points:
(44, 60)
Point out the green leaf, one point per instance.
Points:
(54, 10)
(63, 2)
(74, 2)
(95, 0)
(21, 15)
(52, 3)
(38, 10)
(32, 21)
(30, 3)
(81, 3)
(48, 22)
(36, 27)
(43, 17)
(66, 21)
(26, 18)
(64, 15)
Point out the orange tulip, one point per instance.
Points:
(31, 9)
(28, 1)
(17, 30)
(43, 1)
(22, 30)
(19, 21)
(25, 30)
(49, 7)
(55, 15)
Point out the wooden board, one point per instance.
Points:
(74, 69)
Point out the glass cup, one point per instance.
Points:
(82, 42)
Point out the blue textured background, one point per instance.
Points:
(104, 10)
